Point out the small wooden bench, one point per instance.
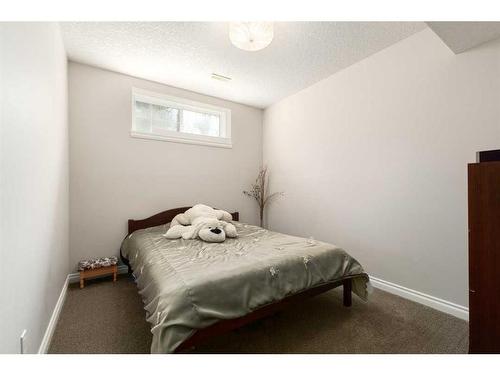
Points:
(97, 267)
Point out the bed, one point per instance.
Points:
(193, 290)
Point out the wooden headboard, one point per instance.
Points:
(163, 218)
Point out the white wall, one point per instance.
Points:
(115, 177)
(374, 159)
(34, 193)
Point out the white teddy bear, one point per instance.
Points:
(204, 222)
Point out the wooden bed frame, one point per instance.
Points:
(230, 324)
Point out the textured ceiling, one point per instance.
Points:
(461, 36)
(185, 54)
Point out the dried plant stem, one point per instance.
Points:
(258, 192)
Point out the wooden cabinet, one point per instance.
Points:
(484, 257)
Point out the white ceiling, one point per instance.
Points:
(185, 54)
(461, 36)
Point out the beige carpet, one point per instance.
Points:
(109, 318)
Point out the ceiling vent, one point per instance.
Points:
(220, 77)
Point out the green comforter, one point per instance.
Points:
(187, 285)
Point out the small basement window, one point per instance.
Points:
(168, 118)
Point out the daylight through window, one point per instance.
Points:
(157, 116)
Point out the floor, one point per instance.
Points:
(109, 318)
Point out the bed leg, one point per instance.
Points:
(347, 286)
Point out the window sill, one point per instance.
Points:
(184, 140)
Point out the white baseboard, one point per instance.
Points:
(439, 304)
(49, 332)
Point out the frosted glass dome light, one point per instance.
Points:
(251, 36)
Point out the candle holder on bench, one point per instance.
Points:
(97, 267)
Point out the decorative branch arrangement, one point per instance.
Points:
(258, 192)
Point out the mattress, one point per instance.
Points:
(187, 285)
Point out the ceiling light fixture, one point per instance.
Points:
(251, 36)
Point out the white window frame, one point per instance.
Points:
(224, 140)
